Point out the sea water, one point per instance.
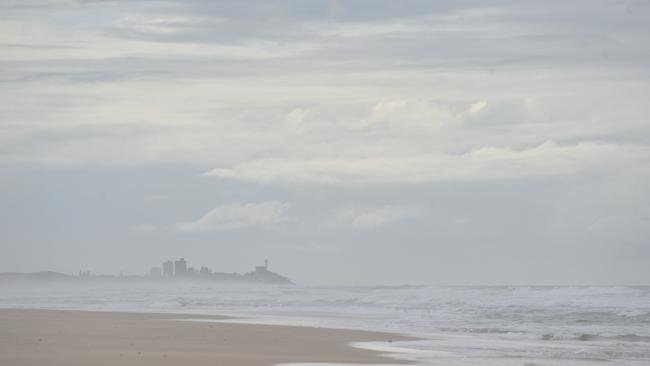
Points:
(460, 325)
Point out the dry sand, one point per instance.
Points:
(71, 338)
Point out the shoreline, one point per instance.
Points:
(77, 337)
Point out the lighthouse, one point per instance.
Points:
(263, 268)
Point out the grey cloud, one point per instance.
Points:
(238, 216)
(369, 218)
(488, 163)
(144, 228)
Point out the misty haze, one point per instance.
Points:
(324, 182)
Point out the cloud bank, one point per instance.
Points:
(370, 218)
(238, 216)
(489, 163)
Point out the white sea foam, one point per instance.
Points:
(463, 325)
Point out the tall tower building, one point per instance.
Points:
(180, 267)
(168, 269)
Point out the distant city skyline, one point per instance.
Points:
(170, 272)
(169, 268)
(179, 268)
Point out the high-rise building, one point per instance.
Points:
(168, 269)
(180, 267)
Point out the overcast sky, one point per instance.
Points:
(349, 142)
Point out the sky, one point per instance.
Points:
(349, 142)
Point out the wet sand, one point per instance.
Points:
(75, 338)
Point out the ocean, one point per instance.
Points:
(501, 325)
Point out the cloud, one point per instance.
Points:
(368, 218)
(237, 216)
(488, 163)
(144, 228)
(224, 85)
(462, 97)
(162, 25)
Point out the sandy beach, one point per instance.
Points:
(70, 338)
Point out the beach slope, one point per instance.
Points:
(71, 338)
